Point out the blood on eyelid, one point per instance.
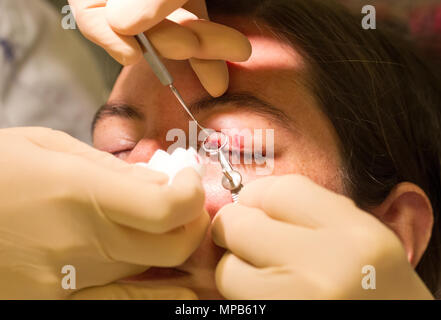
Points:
(236, 142)
(216, 141)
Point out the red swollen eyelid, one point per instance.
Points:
(237, 142)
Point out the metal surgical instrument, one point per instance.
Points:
(162, 73)
(231, 179)
(217, 144)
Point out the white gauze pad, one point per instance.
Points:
(171, 164)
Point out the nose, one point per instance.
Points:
(144, 150)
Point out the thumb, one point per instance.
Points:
(130, 17)
(120, 291)
(90, 16)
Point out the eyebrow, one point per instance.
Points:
(121, 110)
(244, 100)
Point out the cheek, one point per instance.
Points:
(136, 82)
(321, 166)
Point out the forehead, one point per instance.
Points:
(270, 50)
(274, 71)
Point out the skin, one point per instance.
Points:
(306, 144)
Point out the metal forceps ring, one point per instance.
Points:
(215, 144)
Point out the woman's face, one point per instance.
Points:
(265, 93)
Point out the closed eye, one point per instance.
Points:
(123, 154)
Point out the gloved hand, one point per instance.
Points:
(289, 238)
(65, 203)
(176, 34)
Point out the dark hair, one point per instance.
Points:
(381, 95)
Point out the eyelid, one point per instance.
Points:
(120, 154)
(121, 145)
(246, 144)
(122, 150)
(239, 151)
(241, 142)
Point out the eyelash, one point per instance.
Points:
(119, 154)
(237, 157)
(234, 155)
(248, 155)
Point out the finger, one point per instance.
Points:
(136, 247)
(120, 188)
(130, 17)
(296, 199)
(173, 41)
(199, 39)
(63, 143)
(92, 22)
(238, 280)
(118, 291)
(216, 41)
(78, 5)
(136, 204)
(251, 193)
(219, 42)
(213, 75)
(253, 236)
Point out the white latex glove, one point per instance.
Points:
(65, 203)
(289, 238)
(176, 34)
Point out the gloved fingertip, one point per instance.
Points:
(217, 228)
(216, 91)
(187, 174)
(244, 50)
(252, 193)
(216, 235)
(173, 41)
(190, 179)
(122, 17)
(127, 56)
(219, 42)
(190, 192)
(242, 46)
(213, 75)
